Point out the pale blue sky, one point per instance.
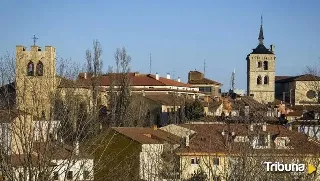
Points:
(179, 34)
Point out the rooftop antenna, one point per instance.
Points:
(173, 71)
(150, 62)
(204, 67)
(233, 79)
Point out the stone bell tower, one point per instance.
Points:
(35, 79)
(261, 71)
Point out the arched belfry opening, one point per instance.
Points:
(30, 68)
(259, 80)
(39, 69)
(266, 80)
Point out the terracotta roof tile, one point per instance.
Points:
(204, 81)
(209, 139)
(304, 77)
(167, 99)
(135, 79)
(145, 135)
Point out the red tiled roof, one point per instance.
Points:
(145, 135)
(135, 79)
(204, 81)
(277, 78)
(209, 139)
(167, 99)
(295, 113)
(304, 77)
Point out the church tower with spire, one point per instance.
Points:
(261, 71)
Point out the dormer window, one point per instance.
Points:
(30, 69)
(282, 142)
(195, 161)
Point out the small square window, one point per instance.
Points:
(195, 161)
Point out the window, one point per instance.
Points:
(219, 91)
(259, 80)
(265, 65)
(205, 89)
(266, 80)
(259, 64)
(216, 161)
(39, 68)
(30, 68)
(86, 174)
(69, 175)
(311, 94)
(195, 161)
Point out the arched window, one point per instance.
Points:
(259, 64)
(266, 80)
(265, 65)
(30, 68)
(39, 69)
(259, 80)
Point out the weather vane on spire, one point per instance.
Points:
(261, 20)
(34, 40)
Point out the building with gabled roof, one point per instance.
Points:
(298, 90)
(225, 151)
(140, 149)
(205, 85)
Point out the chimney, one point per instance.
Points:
(143, 93)
(77, 148)
(85, 75)
(246, 111)
(223, 133)
(290, 127)
(187, 140)
(179, 79)
(157, 76)
(264, 127)
(272, 48)
(168, 75)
